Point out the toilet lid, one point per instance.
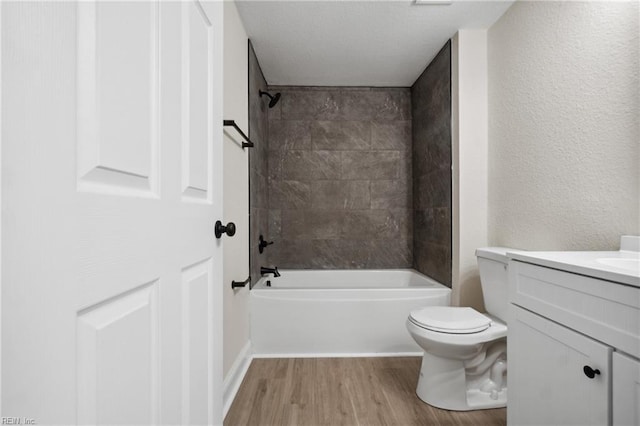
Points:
(449, 319)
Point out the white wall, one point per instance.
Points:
(469, 163)
(236, 187)
(563, 125)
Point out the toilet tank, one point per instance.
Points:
(492, 263)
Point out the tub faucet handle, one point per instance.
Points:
(262, 243)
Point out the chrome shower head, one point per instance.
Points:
(273, 99)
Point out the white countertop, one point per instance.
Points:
(589, 263)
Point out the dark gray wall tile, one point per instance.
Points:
(431, 168)
(435, 151)
(405, 172)
(387, 194)
(287, 135)
(377, 104)
(391, 253)
(258, 191)
(258, 159)
(339, 254)
(290, 254)
(258, 166)
(356, 105)
(275, 223)
(310, 105)
(391, 135)
(345, 169)
(432, 225)
(377, 224)
(391, 104)
(309, 165)
(320, 195)
(432, 190)
(341, 135)
(370, 165)
(361, 254)
(435, 259)
(404, 218)
(291, 194)
(340, 194)
(275, 159)
(310, 224)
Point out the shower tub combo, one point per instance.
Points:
(339, 313)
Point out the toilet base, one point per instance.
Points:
(443, 384)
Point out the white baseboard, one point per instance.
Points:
(235, 375)
(340, 355)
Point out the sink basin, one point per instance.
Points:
(631, 264)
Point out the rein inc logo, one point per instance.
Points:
(17, 421)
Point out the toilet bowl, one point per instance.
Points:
(465, 353)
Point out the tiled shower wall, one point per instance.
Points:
(258, 193)
(431, 112)
(339, 182)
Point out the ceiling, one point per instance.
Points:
(355, 43)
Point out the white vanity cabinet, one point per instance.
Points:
(573, 348)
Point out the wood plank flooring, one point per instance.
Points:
(341, 391)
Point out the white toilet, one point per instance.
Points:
(465, 352)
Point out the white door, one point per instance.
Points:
(111, 274)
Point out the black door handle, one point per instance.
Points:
(590, 372)
(220, 229)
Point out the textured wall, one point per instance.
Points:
(563, 125)
(340, 178)
(258, 172)
(431, 112)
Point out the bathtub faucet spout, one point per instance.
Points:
(274, 271)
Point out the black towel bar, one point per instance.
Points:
(236, 284)
(248, 143)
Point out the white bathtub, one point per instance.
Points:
(339, 313)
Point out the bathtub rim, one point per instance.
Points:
(433, 284)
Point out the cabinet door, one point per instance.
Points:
(626, 390)
(547, 381)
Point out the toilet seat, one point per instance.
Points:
(450, 320)
(497, 330)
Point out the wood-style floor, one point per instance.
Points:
(341, 391)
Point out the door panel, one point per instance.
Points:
(118, 98)
(197, 125)
(117, 367)
(111, 307)
(196, 293)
